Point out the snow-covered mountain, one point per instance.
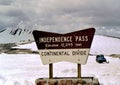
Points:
(14, 36)
(18, 35)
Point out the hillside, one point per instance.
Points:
(100, 45)
(17, 35)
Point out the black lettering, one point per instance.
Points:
(55, 53)
(78, 52)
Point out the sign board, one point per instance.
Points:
(68, 81)
(73, 46)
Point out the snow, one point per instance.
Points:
(31, 46)
(23, 69)
(105, 45)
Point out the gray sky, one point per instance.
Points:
(62, 15)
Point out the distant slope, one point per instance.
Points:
(18, 35)
(105, 45)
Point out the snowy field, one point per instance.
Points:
(23, 69)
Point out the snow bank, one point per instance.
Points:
(23, 69)
(31, 46)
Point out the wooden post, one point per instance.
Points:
(51, 71)
(79, 70)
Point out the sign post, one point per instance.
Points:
(73, 47)
(51, 71)
(79, 70)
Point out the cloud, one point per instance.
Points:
(62, 15)
(5, 2)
